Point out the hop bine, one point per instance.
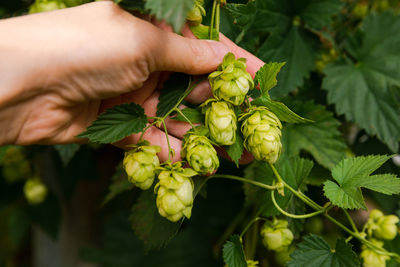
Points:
(220, 119)
(231, 82)
(175, 191)
(262, 134)
(199, 152)
(276, 235)
(140, 164)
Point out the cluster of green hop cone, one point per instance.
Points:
(261, 129)
(379, 227)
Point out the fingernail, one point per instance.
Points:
(220, 49)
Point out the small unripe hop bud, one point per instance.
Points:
(220, 119)
(231, 82)
(195, 15)
(200, 154)
(175, 192)
(262, 134)
(35, 191)
(140, 164)
(44, 5)
(276, 236)
(371, 258)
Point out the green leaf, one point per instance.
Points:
(67, 152)
(120, 184)
(172, 91)
(314, 251)
(193, 114)
(172, 11)
(235, 151)
(116, 123)
(281, 110)
(294, 171)
(318, 13)
(202, 32)
(375, 74)
(296, 47)
(233, 253)
(266, 76)
(148, 225)
(353, 173)
(321, 139)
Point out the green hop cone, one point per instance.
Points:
(371, 258)
(276, 235)
(231, 81)
(140, 164)
(251, 263)
(381, 226)
(195, 16)
(220, 119)
(262, 134)
(46, 5)
(175, 192)
(199, 153)
(35, 191)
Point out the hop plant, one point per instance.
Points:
(231, 82)
(140, 164)
(220, 119)
(381, 226)
(195, 15)
(251, 263)
(262, 134)
(276, 235)
(371, 258)
(175, 191)
(46, 5)
(199, 152)
(35, 191)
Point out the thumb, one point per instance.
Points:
(192, 56)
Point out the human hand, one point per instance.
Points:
(76, 62)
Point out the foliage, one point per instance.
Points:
(332, 76)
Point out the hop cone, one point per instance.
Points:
(276, 235)
(200, 153)
(371, 258)
(175, 192)
(221, 121)
(262, 134)
(381, 226)
(231, 81)
(46, 5)
(35, 191)
(195, 16)
(140, 164)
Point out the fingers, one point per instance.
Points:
(156, 137)
(253, 63)
(180, 54)
(200, 93)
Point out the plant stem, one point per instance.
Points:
(300, 195)
(212, 20)
(184, 116)
(167, 136)
(350, 221)
(217, 17)
(250, 224)
(146, 128)
(237, 178)
(294, 216)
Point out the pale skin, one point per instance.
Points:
(60, 69)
